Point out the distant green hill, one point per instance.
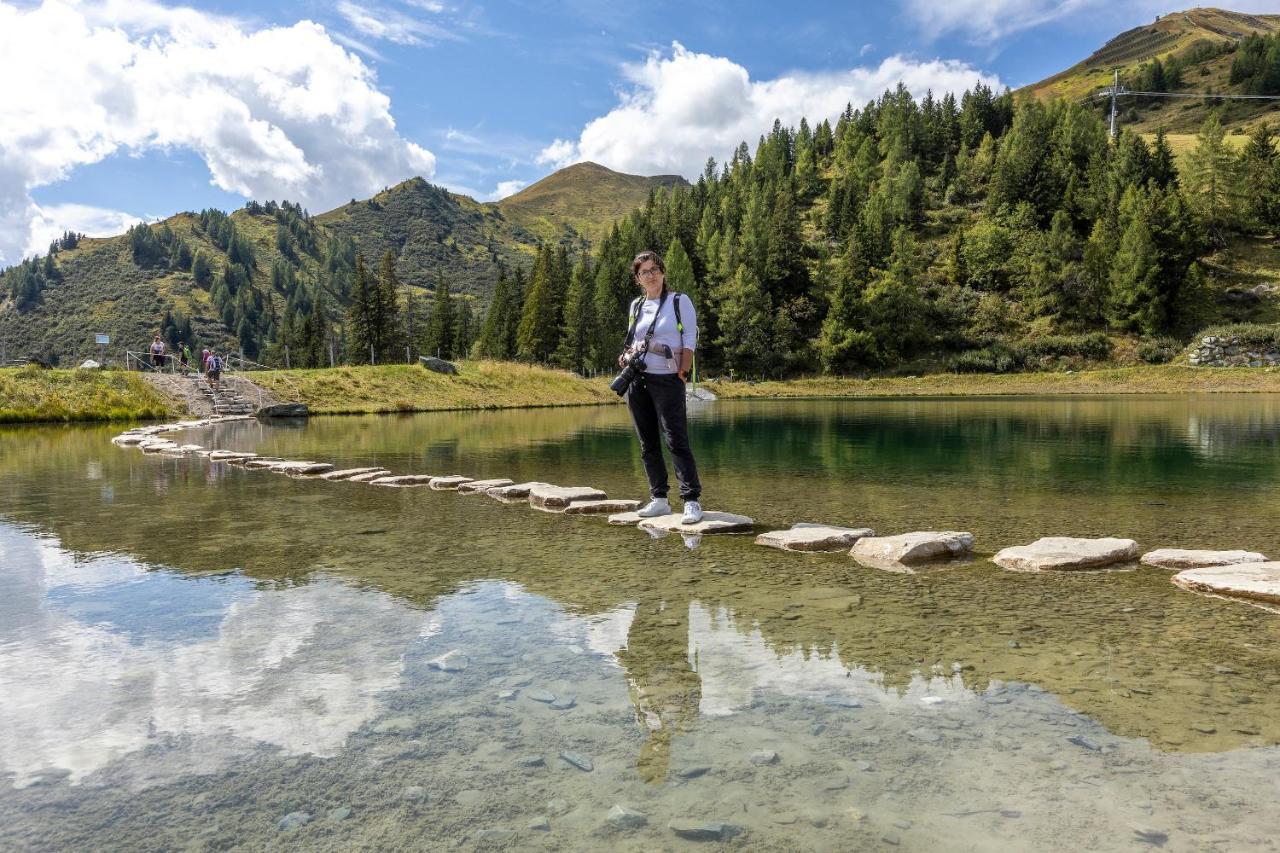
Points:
(99, 287)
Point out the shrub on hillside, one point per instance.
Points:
(1159, 350)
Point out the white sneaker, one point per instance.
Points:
(692, 513)
(655, 508)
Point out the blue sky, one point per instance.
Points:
(138, 109)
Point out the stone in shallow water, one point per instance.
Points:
(448, 483)
(701, 830)
(622, 817)
(920, 546)
(515, 493)
(261, 463)
(395, 725)
(414, 794)
(1253, 581)
(578, 760)
(1064, 553)
(340, 814)
(403, 480)
(563, 703)
(454, 661)
(368, 478)
(1182, 558)
(557, 807)
(813, 537)
(495, 835)
(600, 507)
(764, 756)
(539, 824)
(221, 455)
(348, 473)
(624, 518)
(556, 498)
(544, 696)
(712, 522)
(475, 487)
(294, 820)
(296, 468)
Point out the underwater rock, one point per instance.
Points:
(1182, 558)
(539, 824)
(293, 820)
(578, 760)
(557, 498)
(623, 817)
(763, 756)
(563, 703)
(1064, 553)
(812, 538)
(699, 830)
(544, 696)
(1253, 581)
(454, 661)
(917, 547)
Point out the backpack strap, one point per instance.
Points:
(636, 306)
(675, 303)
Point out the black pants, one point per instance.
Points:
(657, 405)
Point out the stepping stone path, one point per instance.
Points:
(1253, 581)
(403, 480)
(348, 473)
(515, 493)
(712, 522)
(600, 507)
(449, 483)
(261, 463)
(556, 498)
(475, 487)
(227, 455)
(812, 538)
(920, 546)
(368, 478)
(299, 468)
(1066, 553)
(1179, 558)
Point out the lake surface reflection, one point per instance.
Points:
(199, 656)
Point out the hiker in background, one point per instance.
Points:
(157, 353)
(186, 359)
(204, 360)
(213, 370)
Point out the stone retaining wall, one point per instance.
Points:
(1215, 351)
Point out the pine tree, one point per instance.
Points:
(441, 328)
(540, 318)
(746, 319)
(1212, 178)
(1260, 163)
(579, 317)
(493, 341)
(1135, 270)
(362, 316)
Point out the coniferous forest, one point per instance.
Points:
(980, 233)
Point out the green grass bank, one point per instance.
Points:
(30, 395)
(33, 395)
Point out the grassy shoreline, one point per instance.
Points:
(33, 396)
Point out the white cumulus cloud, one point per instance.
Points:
(506, 188)
(683, 107)
(50, 220)
(274, 112)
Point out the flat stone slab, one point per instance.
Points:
(712, 522)
(299, 468)
(812, 538)
(126, 440)
(1182, 558)
(257, 464)
(920, 546)
(515, 493)
(224, 455)
(600, 507)
(1066, 553)
(348, 473)
(449, 483)
(368, 478)
(1252, 581)
(403, 480)
(556, 498)
(475, 487)
(624, 518)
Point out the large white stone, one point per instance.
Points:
(712, 522)
(448, 483)
(1182, 558)
(624, 518)
(224, 455)
(348, 473)
(813, 538)
(556, 498)
(300, 469)
(1065, 553)
(600, 507)
(1254, 581)
(919, 546)
(475, 487)
(515, 493)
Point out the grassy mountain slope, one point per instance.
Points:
(431, 231)
(585, 198)
(1178, 35)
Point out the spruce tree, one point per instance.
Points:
(539, 329)
(493, 340)
(1212, 179)
(579, 318)
(362, 319)
(441, 328)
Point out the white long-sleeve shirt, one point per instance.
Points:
(666, 334)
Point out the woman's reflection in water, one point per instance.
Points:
(665, 689)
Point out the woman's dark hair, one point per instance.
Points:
(647, 255)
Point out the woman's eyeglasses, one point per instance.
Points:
(649, 273)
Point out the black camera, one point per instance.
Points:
(633, 367)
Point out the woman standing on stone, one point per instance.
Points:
(664, 326)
